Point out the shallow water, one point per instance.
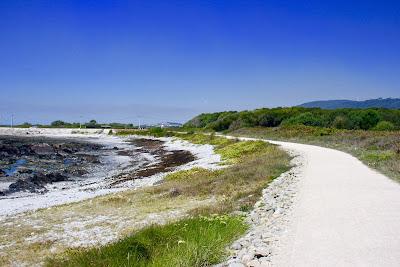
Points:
(14, 167)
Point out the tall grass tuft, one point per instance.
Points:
(198, 241)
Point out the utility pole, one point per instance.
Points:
(12, 120)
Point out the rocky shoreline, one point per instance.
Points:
(113, 165)
(31, 163)
(47, 160)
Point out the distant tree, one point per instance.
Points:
(26, 125)
(370, 119)
(307, 118)
(92, 124)
(341, 122)
(58, 123)
(269, 120)
(223, 122)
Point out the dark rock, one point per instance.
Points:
(91, 159)
(36, 183)
(7, 149)
(24, 185)
(67, 150)
(24, 170)
(78, 172)
(42, 149)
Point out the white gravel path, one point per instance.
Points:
(343, 214)
(346, 213)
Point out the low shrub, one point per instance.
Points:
(233, 152)
(384, 126)
(186, 174)
(376, 156)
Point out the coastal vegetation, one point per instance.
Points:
(197, 209)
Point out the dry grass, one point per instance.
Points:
(236, 186)
(45, 232)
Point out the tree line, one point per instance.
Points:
(352, 119)
(90, 124)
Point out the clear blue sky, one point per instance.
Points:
(170, 60)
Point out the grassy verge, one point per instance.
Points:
(199, 240)
(378, 149)
(190, 242)
(238, 186)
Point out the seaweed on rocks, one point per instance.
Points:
(30, 163)
(167, 160)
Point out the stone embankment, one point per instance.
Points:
(268, 221)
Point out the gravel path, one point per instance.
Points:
(341, 213)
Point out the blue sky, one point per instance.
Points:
(170, 60)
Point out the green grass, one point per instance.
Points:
(211, 139)
(233, 152)
(237, 185)
(199, 241)
(187, 174)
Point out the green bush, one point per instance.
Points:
(384, 126)
(158, 132)
(307, 118)
(268, 120)
(341, 122)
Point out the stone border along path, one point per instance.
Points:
(268, 220)
(331, 210)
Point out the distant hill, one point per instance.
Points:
(389, 103)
